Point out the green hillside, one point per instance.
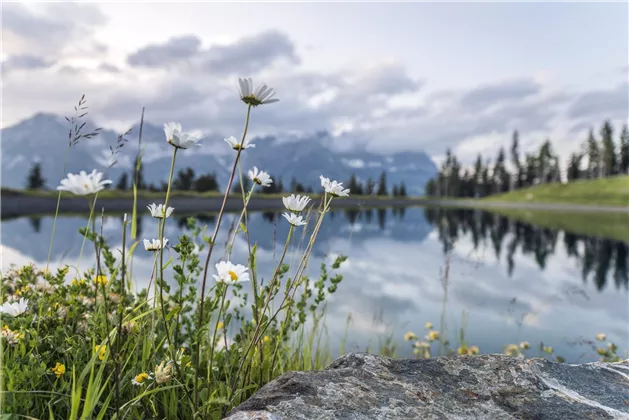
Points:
(612, 191)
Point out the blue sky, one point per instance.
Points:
(393, 76)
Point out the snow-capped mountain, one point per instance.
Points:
(44, 138)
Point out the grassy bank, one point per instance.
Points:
(603, 225)
(613, 191)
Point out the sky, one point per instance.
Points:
(387, 76)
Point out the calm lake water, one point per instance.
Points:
(507, 281)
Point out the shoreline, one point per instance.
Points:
(16, 206)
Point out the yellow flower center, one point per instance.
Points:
(233, 275)
(86, 186)
(141, 378)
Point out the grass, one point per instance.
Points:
(602, 225)
(612, 191)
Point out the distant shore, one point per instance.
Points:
(16, 205)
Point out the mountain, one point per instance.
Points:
(44, 138)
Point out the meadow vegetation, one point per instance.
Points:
(610, 191)
(82, 342)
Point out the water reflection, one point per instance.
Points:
(601, 260)
(515, 281)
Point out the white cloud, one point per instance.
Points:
(396, 91)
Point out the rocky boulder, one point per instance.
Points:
(363, 386)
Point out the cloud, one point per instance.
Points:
(25, 62)
(484, 96)
(48, 29)
(603, 104)
(163, 55)
(376, 102)
(249, 54)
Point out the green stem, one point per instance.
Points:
(218, 317)
(162, 227)
(207, 263)
(87, 228)
(54, 222)
(257, 333)
(242, 213)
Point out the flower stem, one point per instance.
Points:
(218, 317)
(162, 227)
(257, 332)
(87, 228)
(207, 262)
(54, 222)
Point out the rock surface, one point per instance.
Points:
(362, 386)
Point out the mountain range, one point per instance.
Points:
(43, 138)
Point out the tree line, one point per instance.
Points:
(599, 157)
(187, 180)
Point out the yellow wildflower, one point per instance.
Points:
(266, 339)
(473, 350)
(462, 350)
(101, 350)
(432, 336)
(409, 336)
(12, 337)
(101, 280)
(59, 370)
(601, 351)
(78, 282)
(220, 325)
(548, 349)
(601, 337)
(512, 350)
(525, 345)
(428, 325)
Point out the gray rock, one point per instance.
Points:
(363, 386)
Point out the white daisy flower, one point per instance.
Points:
(155, 244)
(262, 95)
(179, 139)
(140, 379)
(230, 273)
(14, 308)
(260, 177)
(235, 144)
(294, 203)
(333, 188)
(84, 183)
(294, 219)
(157, 210)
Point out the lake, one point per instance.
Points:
(507, 281)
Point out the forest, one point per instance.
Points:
(599, 156)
